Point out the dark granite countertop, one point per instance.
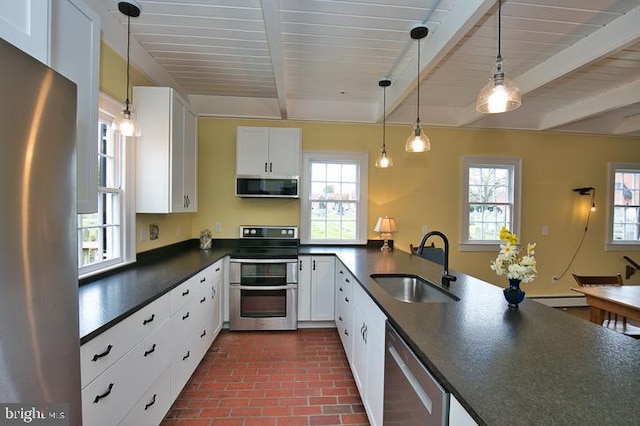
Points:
(528, 366)
(106, 301)
(533, 365)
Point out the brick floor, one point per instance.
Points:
(265, 378)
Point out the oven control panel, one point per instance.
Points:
(272, 232)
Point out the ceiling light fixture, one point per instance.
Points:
(500, 94)
(384, 161)
(128, 125)
(418, 141)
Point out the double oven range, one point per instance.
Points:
(263, 279)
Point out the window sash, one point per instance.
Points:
(623, 230)
(491, 199)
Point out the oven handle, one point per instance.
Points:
(232, 260)
(263, 287)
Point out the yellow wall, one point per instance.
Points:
(422, 189)
(425, 189)
(173, 228)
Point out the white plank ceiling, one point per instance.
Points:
(577, 62)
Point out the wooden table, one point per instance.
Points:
(622, 300)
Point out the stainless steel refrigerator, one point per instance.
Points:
(39, 341)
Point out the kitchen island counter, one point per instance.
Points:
(528, 366)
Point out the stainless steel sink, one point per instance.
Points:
(412, 288)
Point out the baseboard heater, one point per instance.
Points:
(561, 301)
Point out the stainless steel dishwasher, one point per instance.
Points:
(411, 395)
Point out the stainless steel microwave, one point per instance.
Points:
(252, 186)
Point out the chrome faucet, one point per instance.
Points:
(446, 276)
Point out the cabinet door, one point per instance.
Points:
(304, 288)
(25, 24)
(322, 288)
(284, 151)
(178, 121)
(252, 151)
(75, 53)
(190, 162)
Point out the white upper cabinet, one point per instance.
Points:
(75, 53)
(25, 24)
(268, 151)
(166, 152)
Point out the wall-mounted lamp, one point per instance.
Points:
(588, 190)
(385, 227)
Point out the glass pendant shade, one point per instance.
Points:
(128, 125)
(500, 94)
(384, 161)
(417, 141)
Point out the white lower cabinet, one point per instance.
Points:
(133, 372)
(316, 286)
(344, 307)
(368, 353)
(154, 404)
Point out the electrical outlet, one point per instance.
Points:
(143, 235)
(545, 230)
(425, 229)
(218, 227)
(554, 279)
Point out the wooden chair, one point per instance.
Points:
(605, 281)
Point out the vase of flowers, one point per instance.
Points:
(518, 266)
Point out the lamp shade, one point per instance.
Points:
(385, 225)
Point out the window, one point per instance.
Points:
(105, 237)
(334, 205)
(491, 200)
(624, 206)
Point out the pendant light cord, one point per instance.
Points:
(128, 53)
(384, 117)
(418, 110)
(499, 29)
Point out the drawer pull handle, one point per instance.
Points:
(187, 355)
(204, 333)
(347, 280)
(204, 299)
(341, 289)
(346, 299)
(184, 293)
(150, 351)
(341, 272)
(346, 332)
(105, 353)
(153, 401)
(185, 316)
(104, 395)
(147, 321)
(340, 318)
(217, 269)
(203, 279)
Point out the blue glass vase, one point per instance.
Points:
(513, 293)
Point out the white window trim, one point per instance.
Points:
(610, 244)
(305, 206)
(467, 161)
(110, 109)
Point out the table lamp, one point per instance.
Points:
(385, 227)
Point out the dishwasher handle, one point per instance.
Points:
(415, 385)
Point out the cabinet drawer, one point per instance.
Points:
(110, 396)
(184, 363)
(154, 404)
(187, 290)
(103, 351)
(187, 321)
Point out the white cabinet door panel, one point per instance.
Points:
(25, 24)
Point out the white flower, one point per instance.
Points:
(511, 263)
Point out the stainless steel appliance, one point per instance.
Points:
(263, 279)
(282, 187)
(39, 331)
(412, 397)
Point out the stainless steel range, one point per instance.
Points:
(263, 279)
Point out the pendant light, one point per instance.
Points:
(384, 161)
(500, 94)
(418, 141)
(128, 125)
